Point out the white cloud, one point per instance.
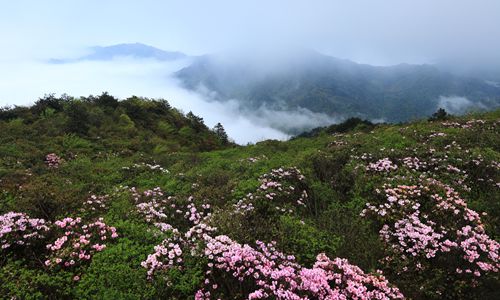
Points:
(458, 105)
(292, 120)
(26, 81)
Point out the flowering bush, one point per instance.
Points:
(267, 273)
(437, 134)
(414, 163)
(19, 229)
(78, 242)
(280, 241)
(281, 192)
(173, 217)
(282, 188)
(382, 165)
(95, 203)
(158, 209)
(429, 226)
(52, 160)
(283, 185)
(152, 167)
(263, 271)
(469, 124)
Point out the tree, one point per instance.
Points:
(49, 101)
(221, 133)
(106, 100)
(78, 118)
(439, 115)
(197, 123)
(126, 124)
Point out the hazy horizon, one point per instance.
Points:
(364, 31)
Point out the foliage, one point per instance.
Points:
(185, 214)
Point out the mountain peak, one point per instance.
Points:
(134, 50)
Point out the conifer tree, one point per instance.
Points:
(221, 133)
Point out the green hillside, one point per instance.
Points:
(132, 199)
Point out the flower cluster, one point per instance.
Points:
(52, 160)
(151, 167)
(254, 159)
(431, 221)
(183, 219)
(285, 188)
(414, 163)
(156, 208)
(272, 274)
(337, 143)
(382, 165)
(453, 169)
(95, 203)
(437, 134)
(169, 253)
(166, 255)
(243, 206)
(156, 192)
(19, 229)
(350, 281)
(416, 237)
(467, 125)
(78, 242)
(266, 271)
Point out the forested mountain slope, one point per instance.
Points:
(336, 87)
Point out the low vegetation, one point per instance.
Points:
(132, 199)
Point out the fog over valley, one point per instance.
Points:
(123, 78)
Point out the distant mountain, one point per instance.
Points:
(136, 50)
(337, 87)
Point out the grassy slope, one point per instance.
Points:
(338, 193)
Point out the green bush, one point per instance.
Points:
(305, 240)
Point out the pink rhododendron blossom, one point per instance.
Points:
(19, 229)
(52, 160)
(432, 221)
(272, 273)
(78, 242)
(382, 165)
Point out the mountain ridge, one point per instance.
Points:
(135, 50)
(335, 86)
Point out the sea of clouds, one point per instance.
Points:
(24, 81)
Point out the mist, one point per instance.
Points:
(125, 77)
(458, 105)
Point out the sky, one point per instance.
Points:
(370, 31)
(367, 31)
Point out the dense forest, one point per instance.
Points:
(103, 198)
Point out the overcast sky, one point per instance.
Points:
(371, 31)
(367, 31)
